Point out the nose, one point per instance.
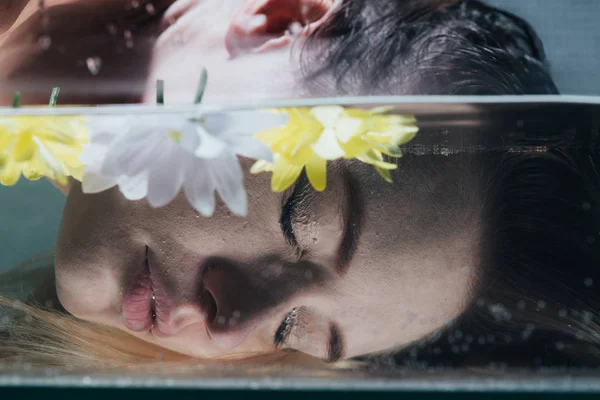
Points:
(180, 317)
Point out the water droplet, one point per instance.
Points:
(127, 34)
(236, 314)
(560, 345)
(562, 313)
(129, 44)
(590, 239)
(308, 274)
(112, 29)
(178, 40)
(221, 320)
(45, 42)
(150, 9)
(586, 206)
(135, 4)
(541, 305)
(588, 282)
(94, 65)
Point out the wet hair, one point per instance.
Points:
(534, 304)
(425, 47)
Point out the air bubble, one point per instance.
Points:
(541, 304)
(45, 42)
(150, 9)
(94, 65)
(588, 282)
(560, 345)
(586, 206)
(112, 29)
(129, 44)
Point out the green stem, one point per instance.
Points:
(54, 96)
(201, 86)
(160, 92)
(16, 100)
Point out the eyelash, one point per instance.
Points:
(289, 212)
(292, 321)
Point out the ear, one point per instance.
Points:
(263, 25)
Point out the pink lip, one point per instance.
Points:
(137, 312)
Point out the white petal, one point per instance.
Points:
(94, 182)
(216, 123)
(199, 187)
(346, 128)
(134, 187)
(242, 123)
(105, 128)
(165, 178)
(252, 148)
(189, 138)
(327, 115)
(48, 158)
(93, 155)
(129, 157)
(210, 147)
(327, 146)
(229, 181)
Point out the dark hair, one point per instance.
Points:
(376, 47)
(534, 303)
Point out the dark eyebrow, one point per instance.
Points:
(352, 220)
(335, 344)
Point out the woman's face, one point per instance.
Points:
(362, 267)
(370, 267)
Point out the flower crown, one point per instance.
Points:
(155, 156)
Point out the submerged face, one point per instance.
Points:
(362, 267)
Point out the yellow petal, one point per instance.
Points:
(261, 166)
(24, 149)
(284, 175)
(31, 173)
(316, 170)
(10, 174)
(385, 174)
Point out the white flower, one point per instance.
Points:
(155, 156)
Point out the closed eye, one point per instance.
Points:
(290, 212)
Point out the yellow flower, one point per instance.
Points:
(316, 135)
(41, 146)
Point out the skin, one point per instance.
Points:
(410, 274)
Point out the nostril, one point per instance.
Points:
(210, 306)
